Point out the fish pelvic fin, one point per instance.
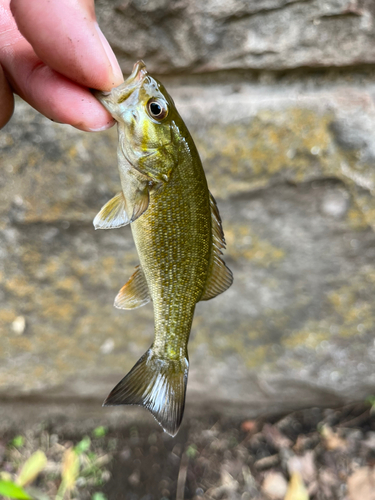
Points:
(158, 384)
(134, 293)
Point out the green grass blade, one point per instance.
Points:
(11, 490)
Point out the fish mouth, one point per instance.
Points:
(119, 94)
(137, 75)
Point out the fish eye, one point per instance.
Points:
(157, 109)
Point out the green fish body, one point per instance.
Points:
(177, 231)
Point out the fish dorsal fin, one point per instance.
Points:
(134, 293)
(217, 229)
(113, 214)
(219, 277)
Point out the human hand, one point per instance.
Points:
(52, 57)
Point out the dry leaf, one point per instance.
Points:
(275, 437)
(70, 468)
(249, 426)
(275, 486)
(331, 439)
(328, 482)
(296, 488)
(69, 472)
(227, 480)
(305, 465)
(361, 484)
(267, 462)
(31, 468)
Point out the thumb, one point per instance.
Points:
(66, 37)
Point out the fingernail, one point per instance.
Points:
(116, 70)
(104, 127)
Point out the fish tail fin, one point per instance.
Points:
(159, 385)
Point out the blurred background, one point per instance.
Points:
(279, 98)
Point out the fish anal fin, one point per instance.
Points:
(134, 293)
(219, 276)
(113, 214)
(157, 384)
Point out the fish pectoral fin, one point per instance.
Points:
(140, 204)
(159, 385)
(113, 214)
(134, 293)
(219, 276)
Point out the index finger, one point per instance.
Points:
(66, 37)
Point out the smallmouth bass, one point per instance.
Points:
(177, 232)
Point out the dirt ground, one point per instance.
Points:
(315, 454)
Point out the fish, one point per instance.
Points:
(177, 232)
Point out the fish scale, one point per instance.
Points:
(178, 235)
(186, 258)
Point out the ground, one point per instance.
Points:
(315, 454)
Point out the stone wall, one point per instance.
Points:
(279, 96)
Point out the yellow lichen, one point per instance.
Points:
(72, 152)
(7, 316)
(307, 337)
(69, 284)
(256, 356)
(57, 309)
(21, 343)
(19, 286)
(354, 313)
(244, 243)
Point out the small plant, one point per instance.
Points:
(74, 467)
(191, 451)
(99, 496)
(100, 431)
(371, 401)
(30, 470)
(18, 441)
(12, 490)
